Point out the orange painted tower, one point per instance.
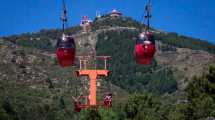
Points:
(92, 74)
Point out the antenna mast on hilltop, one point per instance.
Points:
(98, 14)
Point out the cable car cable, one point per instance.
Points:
(64, 15)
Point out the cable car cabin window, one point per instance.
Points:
(140, 40)
(151, 38)
(67, 43)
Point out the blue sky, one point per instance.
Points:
(194, 18)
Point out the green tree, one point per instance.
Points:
(200, 94)
(90, 114)
(178, 112)
(3, 115)
(108, 114)
(142, 106)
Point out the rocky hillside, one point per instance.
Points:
(185, 62)
(29, 58)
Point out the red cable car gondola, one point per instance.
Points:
(65, 51)
(145, 48)
(145, 43)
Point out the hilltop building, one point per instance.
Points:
(85, 21)
(85, 24)
(115, 14)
